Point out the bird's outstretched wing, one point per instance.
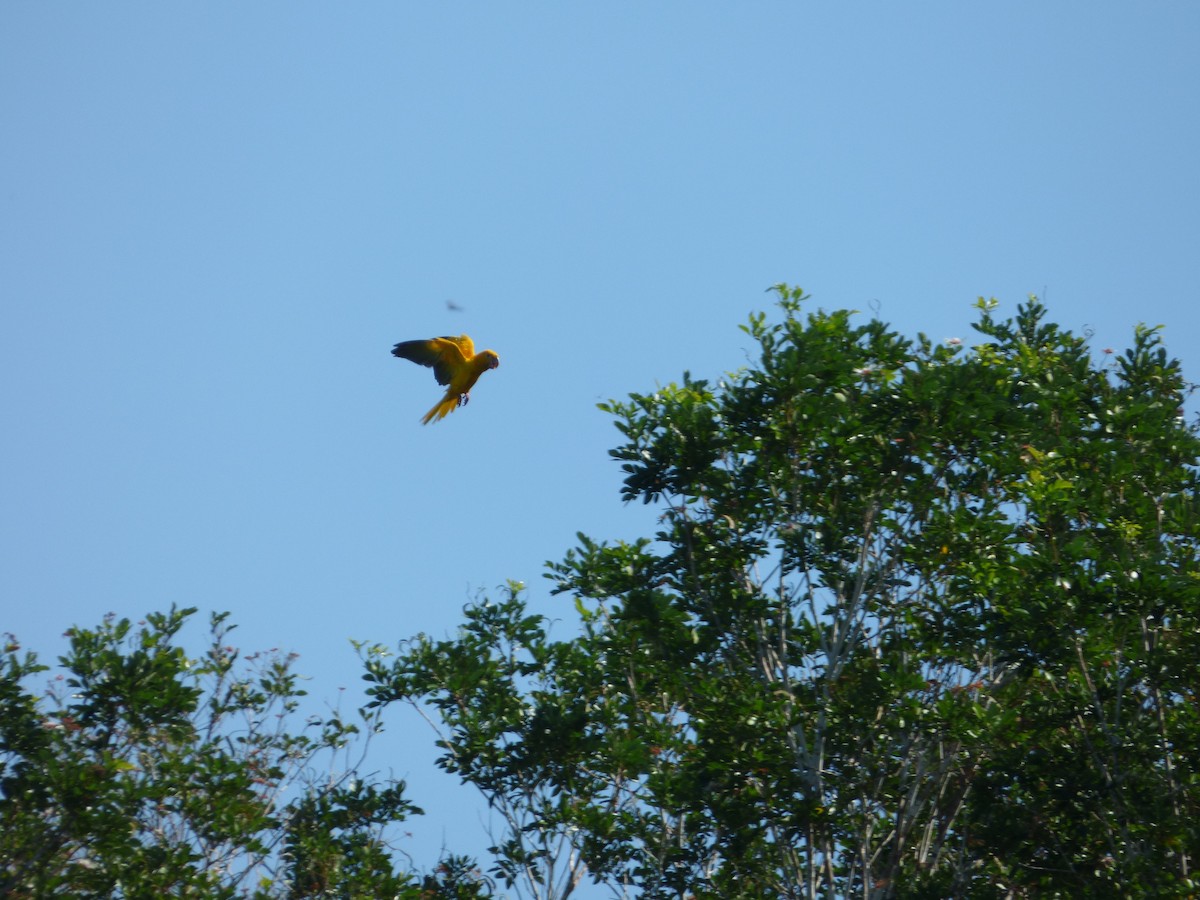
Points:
(446, 355)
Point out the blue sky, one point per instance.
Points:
(216, 219)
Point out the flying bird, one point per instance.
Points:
(455, 363)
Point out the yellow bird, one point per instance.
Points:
(455, 363)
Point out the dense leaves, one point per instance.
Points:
(921, 620)
(144, 772)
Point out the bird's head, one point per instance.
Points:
(491, 358)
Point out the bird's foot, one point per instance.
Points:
(463, 399)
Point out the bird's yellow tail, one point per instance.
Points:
(444, 407)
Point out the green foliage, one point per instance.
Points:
(145, 773)
(919, 621)
(507, 720)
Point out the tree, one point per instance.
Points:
(147, 773)
(920, 621)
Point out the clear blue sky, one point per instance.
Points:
(216, 219)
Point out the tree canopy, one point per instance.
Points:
(148, 772)
(921, 619)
